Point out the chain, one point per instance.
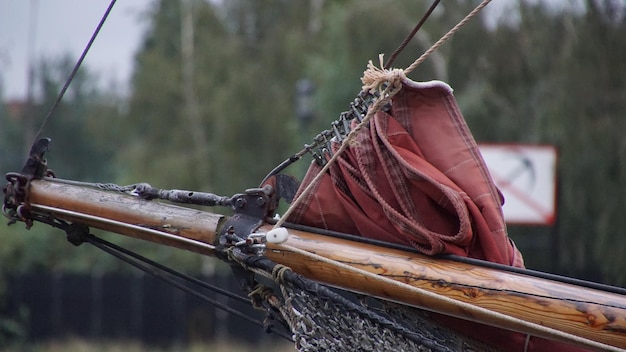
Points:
(320, 149)
(145, 191)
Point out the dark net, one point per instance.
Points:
(324, 319)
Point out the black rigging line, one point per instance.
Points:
(292, 159)
(93, 240)
(136, 260)
(466, 260)
(155, 269)
(73, 73)
(78, 234)
(412, 34)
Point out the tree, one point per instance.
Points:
(244, 88)
(593, 150)
(83, 133)
(526, 81)
(529, 82)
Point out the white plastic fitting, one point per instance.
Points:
(278, 235)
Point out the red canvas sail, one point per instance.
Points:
(415, 176)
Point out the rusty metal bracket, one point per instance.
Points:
(251, 209)
(16, 204)
(36, 165)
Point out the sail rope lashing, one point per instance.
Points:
(386, 82)
(322, 319)
(358, 108)
(386, 95)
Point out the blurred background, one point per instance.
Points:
(211, 95)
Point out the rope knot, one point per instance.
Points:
(278, 272)
(378, 78)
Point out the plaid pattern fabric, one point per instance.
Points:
(414, 176)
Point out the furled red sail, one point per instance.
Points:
(414, 176)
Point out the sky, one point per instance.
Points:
(60, 27)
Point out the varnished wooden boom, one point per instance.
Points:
(169, 219)
(593, 314)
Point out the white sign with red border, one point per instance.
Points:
(526, 176)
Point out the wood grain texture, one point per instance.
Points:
(596, 315)
(589, 313)
(174, 220)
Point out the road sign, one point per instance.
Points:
(526, 176)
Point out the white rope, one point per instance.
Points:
(346, 142)
(375, 78)
(447, 36)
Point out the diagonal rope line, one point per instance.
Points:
(417, 27)
(374, 78)
(447, 36)
(463, 306)
(73, 73)
(392, 78)
(379, 77)
(385, 96)
(161, 272)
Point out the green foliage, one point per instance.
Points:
(244, 79)
(352, 34)
(82, 124)
(83, 132)
(556, 78)
(12, 332)
(552, 78)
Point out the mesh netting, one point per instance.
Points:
(324, 319)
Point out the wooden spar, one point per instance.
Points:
(87, 205)
(593, 314)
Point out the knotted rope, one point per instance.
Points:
(387, 82)
(377, 78)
